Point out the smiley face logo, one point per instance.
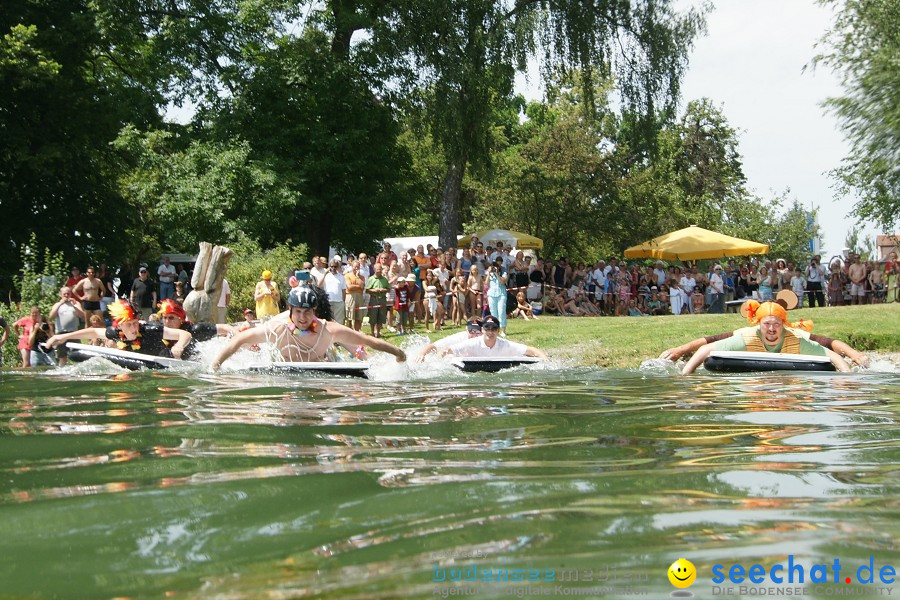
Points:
(682, 573)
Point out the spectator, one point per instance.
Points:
(402, 303)
(377, 287)
(354, 303)
(433, 307)
(184, 279)
(876, 284)
(267, 297)
(89, 290)
(857, 272)
(523, 308)
(459, 288)
(40, 333)
(4, 335)
(143, 293)
(335, 287)
(73, 280)
(167, 274)
(26, 324)
(717, 283)
(223, 304)
(798, 284)
(109, 295)
(815, 276)
(67, 315)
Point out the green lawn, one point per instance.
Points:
(623, 342)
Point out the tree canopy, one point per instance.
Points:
(863, 48)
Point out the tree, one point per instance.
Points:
(332, 142)
(863, 48)
(60, 108)
(468, 51)
(863, 247)
(183, 192)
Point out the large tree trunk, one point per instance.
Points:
(318, 233)
(448, 226)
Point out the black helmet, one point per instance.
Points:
(303, 296)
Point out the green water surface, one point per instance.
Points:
(259, 486)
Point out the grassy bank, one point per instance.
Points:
(623, 342)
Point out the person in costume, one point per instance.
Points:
(788, 297)
(770, 331)
(129, 333)
(172, 315)
(305, 336)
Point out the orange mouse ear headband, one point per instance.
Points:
(755, 312)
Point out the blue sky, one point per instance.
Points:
(752, 64)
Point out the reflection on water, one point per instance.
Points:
(142, 484)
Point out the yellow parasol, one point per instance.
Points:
(522, 241)
(692, 243)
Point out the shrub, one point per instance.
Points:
(247, 265)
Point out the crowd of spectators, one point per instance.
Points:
(437, 288)
(440, 287)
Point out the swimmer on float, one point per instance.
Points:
(473, 330)
(129, 333)
(841, 348)
(489, 344)
(172, 315)
(770, 331)
(305, 337)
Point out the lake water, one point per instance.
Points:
(118, 484)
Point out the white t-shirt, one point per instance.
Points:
(226, 290)
(317, 273)
(334, 285)
(166, 273)
(365, 270)
(717, 283)
(688, 283)
(476, 347)
(661, 275)
(452, 340)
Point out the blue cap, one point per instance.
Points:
(301, 275)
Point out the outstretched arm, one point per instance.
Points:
(254, 335)
(345, 335)
(425, 350)
(535, 352)
(844, 349)
(696, 360)
(223, 329)
(839, 363)
(89, 333)
(677, 352)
